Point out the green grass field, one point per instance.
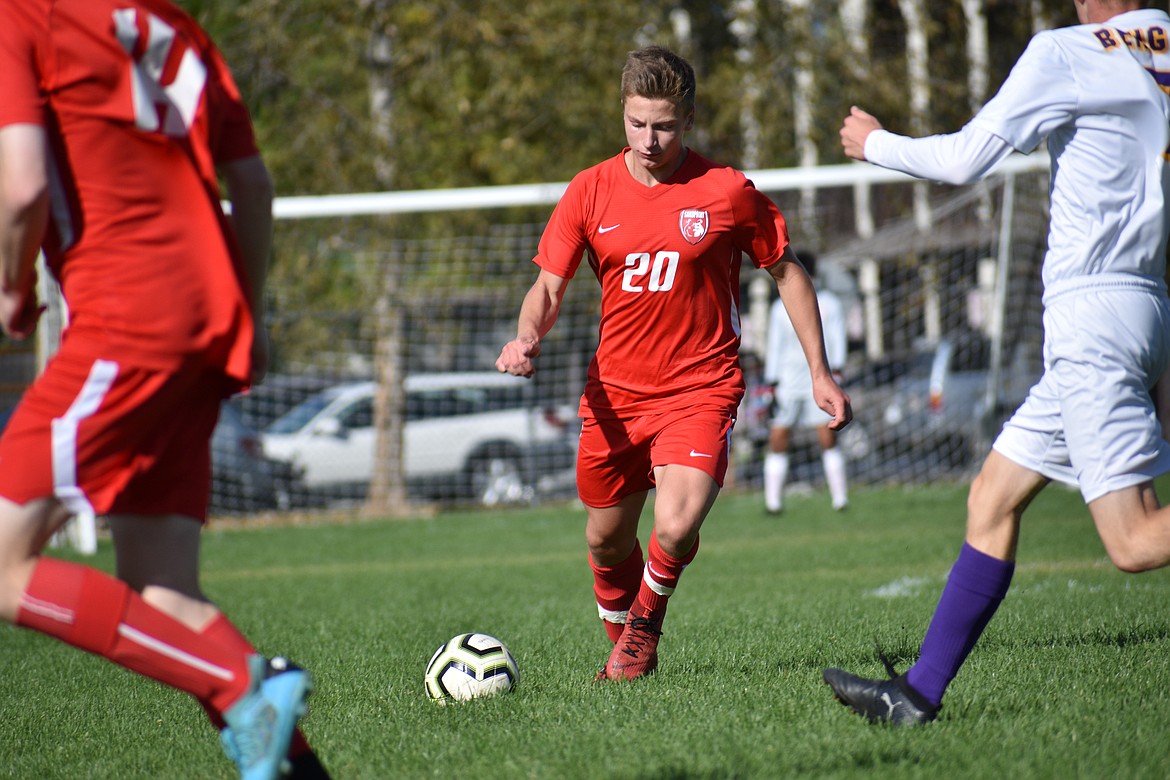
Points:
(1072, 679)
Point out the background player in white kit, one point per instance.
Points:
(1098, 93)
(786, 369)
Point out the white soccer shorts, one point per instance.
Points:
(1090, 419)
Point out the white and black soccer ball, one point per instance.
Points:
(469, 666)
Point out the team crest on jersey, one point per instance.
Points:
(693, 225)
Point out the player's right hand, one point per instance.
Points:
(856, 128)
(19, 313)
(516, 356)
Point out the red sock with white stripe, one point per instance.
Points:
(615, 588)
(102, 615)
(659, 580)
(224, 633)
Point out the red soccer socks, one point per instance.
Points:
(101, 614)
(615, 588)
(635, 652)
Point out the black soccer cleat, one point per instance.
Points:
(306, 766)
(890, 701)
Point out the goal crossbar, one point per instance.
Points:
(461, 198)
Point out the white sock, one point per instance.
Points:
(834, 463)
(775, 474)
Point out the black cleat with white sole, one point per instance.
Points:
(890, 701)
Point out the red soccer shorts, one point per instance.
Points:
(113, 438)
(617, 458)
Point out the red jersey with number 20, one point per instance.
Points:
(139, 108)
(668, 260)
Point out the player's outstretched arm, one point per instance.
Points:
(538, 313)
(952, 158)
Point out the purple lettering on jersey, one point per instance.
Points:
(1151, 40)
(1156, 39)
(1106, 38)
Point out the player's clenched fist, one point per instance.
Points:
(857, 127)
(516, 356)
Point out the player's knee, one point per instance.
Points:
(675, 541)
(608, 550)
(1132, 564)
(1130, 547)
(1136, 537)
(1133, 557)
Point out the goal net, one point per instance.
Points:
(387, 312)
(384, 393)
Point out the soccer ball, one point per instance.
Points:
(468, 666)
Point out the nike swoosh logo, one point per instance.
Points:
(604, 229)
(700, 455)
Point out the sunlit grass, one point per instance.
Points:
(1072, 678)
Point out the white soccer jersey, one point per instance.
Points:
(784, 361)
(1098, 93)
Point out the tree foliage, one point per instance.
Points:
(301, 68)
(491, 92)
(488, 92)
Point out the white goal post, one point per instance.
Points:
(466, 198)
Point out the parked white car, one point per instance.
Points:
(477, 435)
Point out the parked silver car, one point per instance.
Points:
(468, 435)
(950, 407)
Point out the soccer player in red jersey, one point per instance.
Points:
(664, 230)
(116, 120)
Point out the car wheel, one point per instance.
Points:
(496, 479)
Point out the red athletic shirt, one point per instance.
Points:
(139, 107)
(668, 260)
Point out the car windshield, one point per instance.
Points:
(421, 403)
(456, 401)
(297, 417)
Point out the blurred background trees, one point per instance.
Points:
(378, 95)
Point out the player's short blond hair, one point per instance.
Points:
(657, 73)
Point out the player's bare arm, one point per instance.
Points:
(538, 313)
(24, 214)
(835, 401)
(800, 300)
(857, 127)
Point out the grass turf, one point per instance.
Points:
(1072, 679)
